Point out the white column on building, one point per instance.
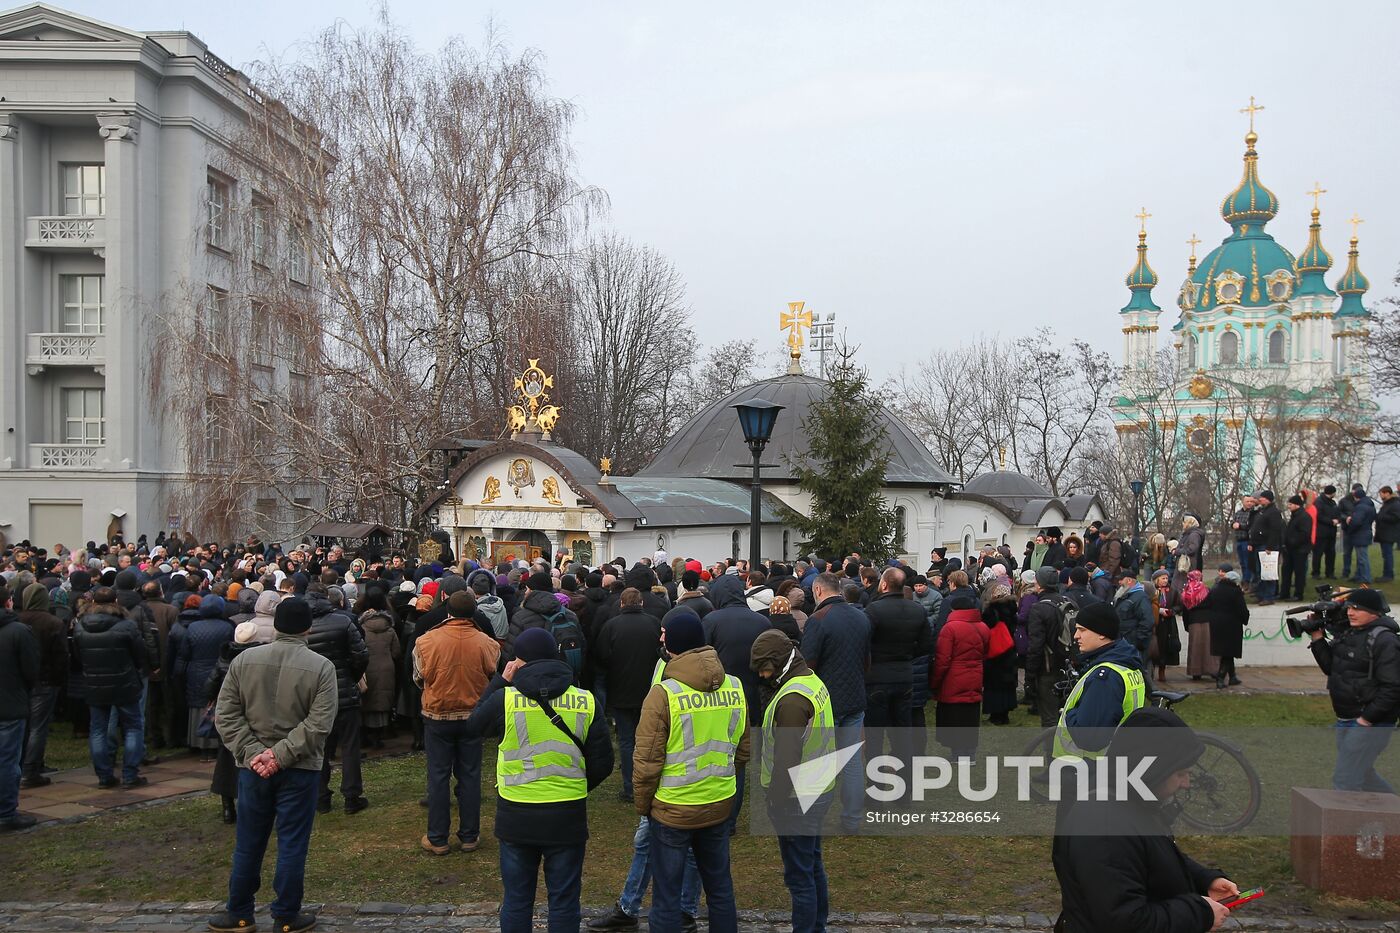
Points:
(13, 338)
(122, 288)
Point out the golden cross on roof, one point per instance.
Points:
(1317, 192)
(795, 320)
(1355, 222)
(1252, 109)
(1194, 242)
(1142, 216)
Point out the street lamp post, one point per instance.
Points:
(1137, 487)
(756, 418)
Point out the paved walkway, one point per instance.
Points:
(191, 917)
(74, 794)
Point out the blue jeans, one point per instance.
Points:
(451, 752)
(1358, 747)
(288, 800)
(132, 723)
(1387, 559)
(563, 880)
(41, 704)
(848, 732)
(1242, 558)
(626, 721)
(1266, 589)
(1363, 563)
(11, 751)
(114, 726)
(1347, 550)
(805, 874)
(669, 849)
(639, 876)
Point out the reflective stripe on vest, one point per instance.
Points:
(705, 731)
(656, 674)
(535, 762)
(1134, 698)
(819, 738)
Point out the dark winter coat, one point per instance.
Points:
(1043, 634)
(19, 668)
(1347, 662)
(958, 658)
(625, 650)
(200, 648)
(1359, 523)
(1266, 531)
(1297, 536)
(1388, 521)
(536, 612)
(836, 644)
(384, 649)
(1191, 543)
(899, 632)
(1135, 621)
(697, 603)
(50, 634)
(336, 637)
(1227, 613)
(731, 630)
(163, 616)
(999, 673)
(113, 654)
(1327, 515)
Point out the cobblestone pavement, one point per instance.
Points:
(377, 917)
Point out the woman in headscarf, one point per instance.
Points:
(198, 655)
(999, 673)
(1225, 612)
(1166, 638)
(225, 779)
(1199, 661)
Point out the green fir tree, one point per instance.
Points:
(844, 469)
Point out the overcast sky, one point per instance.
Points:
(928, 171)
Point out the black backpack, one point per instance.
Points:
(568, 636)
(1059, 643)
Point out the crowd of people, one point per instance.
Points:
(274, 662)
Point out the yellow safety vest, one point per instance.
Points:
(1134, 698)
(819, 738)
(705, 732)
(536, 763)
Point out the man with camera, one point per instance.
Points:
(1362, 664)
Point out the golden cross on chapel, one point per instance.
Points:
(795, 320)
(1317, 192)
(1355, 222)
(1142, 216)
(1194, 242)
(1252, 109)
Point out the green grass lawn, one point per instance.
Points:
(180, 851)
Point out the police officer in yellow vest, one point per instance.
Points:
(1110, 689)
(692, 735)
(554, 749)
(798, 727)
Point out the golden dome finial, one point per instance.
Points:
(1317, 192)
(795, 320)
(1252, 109)
(1355, 221)
(1193, 243)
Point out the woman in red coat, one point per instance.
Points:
(955, 679)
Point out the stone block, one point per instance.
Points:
(1346, 843)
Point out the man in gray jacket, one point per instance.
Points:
(275, 710)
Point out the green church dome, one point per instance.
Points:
(1141, 280)
(1352, 286)
(1314, 261)
(1251, 202)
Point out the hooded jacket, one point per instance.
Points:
(1347, 660)
(1135, 616)
(113, 655)
(792, 715)
(1100, 707)
(334, 635)
(1135, 879)
(690, 601)
(19, 667)
(957, 671)
(543, 824)
(700, 669)
(536, 611)
(264, 613)
(50, 634)
(382, 644)
(200, 648)
(163, 616)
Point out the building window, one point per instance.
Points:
(298, 259)
(82, 417)
(84, 190)
(220, 203)
(299, 390)
(1192, 351)
(218, 430)
(1278, 347)
(1341, 345)
(787, 540)
(83, 310)
(734, 544)
(221, 327)
(901, 527)
(262, 232)
(1229, 348)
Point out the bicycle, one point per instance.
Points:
(1225, 792)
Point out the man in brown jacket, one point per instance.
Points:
(692, 735)
(159, 699)
(453, 664)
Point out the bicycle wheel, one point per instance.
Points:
(1225, 790)
(1042, 747)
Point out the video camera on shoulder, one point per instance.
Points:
(1329, 613)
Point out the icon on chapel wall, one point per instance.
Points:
(522, 474)
(429, 550)
(550, 486)
(535, 414)
(474, 547)
(492, 492)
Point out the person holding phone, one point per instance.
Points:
(1118, 866)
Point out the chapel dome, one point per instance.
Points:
(711, 443)
(1006, 484)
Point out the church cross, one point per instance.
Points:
(795, 320)
(1142, 216)
(1355, 222)
(1252, 109)
(1194, 242)
(1317, 192)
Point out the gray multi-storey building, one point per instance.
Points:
(120, 218)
